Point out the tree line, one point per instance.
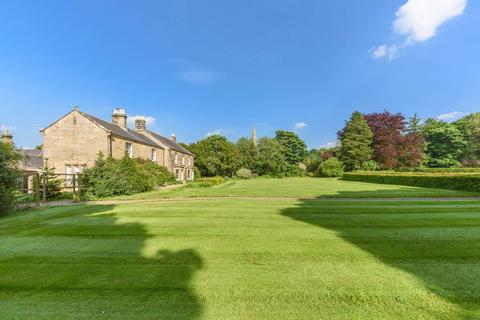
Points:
(279, 156)
(390, 142)
(372, 141)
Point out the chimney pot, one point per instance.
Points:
(174, 137)
(6, 137)
(119, 117)
(140, 124)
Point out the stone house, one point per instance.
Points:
(73, 143)
(30, 163)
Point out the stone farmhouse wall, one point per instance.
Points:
(139, 150)
(73, 140)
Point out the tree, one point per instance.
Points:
(330, 168)
(8, 176)
(294, 149)
(245, 153)
(53, 184)
(444, 143)
(356, 140)
(469, 126)
(313, 160)
(269, 159)
(395, 144)
(214, 156)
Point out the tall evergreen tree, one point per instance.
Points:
(356, 139)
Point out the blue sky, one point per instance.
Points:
(199, 67)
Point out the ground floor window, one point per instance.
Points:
(190, 174)
(178, 174)
(71, 170)
(154, 155)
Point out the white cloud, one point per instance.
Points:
(330, 144)
(390, 51)
(215, 132)
(418, 21)
(199, 76)
(299, 125)
(451, 116)
(148, 120)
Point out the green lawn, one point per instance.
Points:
(303, 188)
(246, 258)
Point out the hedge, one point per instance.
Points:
(466, 182)
(207, 182)
(441, 170)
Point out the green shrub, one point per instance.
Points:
(110, 177)
(330, 168)
(196, 173)
(244, 173)
(370, 165)
(158, 175)
(206, 182)
(8, 176)
(454, 181)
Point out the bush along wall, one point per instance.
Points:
(111, 177)
(466, 182)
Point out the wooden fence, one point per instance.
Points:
(36, 184)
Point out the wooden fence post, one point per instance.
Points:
(74, 180)
(45, 181)
(79, 182)
(36, 186)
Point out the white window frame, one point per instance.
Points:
(183, 160)
(129, 149)
(69, 175)
(189, 161)
(154, 155)
(176, 159)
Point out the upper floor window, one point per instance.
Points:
(189, 161)
(154, 155)
(183, 160)
(176, 159)
(129, 149)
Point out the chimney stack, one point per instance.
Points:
(140, 124)
(7, 137)
(119, 117)
(174, 138)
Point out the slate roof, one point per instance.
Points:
(169, 143)
(31, 158)
(135, 136)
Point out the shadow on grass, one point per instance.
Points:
(425, 240)
(87, 264)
